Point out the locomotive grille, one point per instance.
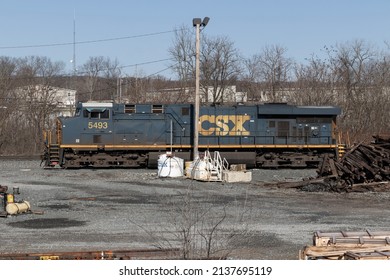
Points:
(97, 139)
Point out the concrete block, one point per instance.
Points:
(238, 167)
(237, 176)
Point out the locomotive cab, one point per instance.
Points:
(91, 127)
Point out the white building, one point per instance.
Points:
(206, 95)
(63, 100)
(229, 94)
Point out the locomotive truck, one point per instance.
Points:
(108, 134)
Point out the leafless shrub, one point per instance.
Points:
(200, 230)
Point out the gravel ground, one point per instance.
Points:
(123, 209)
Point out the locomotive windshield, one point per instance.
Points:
(96, 113)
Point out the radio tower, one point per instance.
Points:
(74, 43)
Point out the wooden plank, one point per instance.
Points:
(333, 167)
(364, 233)
(314, 252)
(358, 244)
(375, 255)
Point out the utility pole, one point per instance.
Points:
(197, 22)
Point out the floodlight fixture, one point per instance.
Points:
(196, 21)
(205, 21)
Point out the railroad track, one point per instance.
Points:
(138, 254)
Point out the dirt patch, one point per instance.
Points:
(56, 206)
(47, 223)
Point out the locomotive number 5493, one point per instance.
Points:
(97, 125)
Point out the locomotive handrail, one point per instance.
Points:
(266, 140)
(298, 139)
(176, 119)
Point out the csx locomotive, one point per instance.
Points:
(134, 135)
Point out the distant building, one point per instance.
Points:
(228, 95)
(61, 101)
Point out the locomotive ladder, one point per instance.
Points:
(342, 149)
(52, 153)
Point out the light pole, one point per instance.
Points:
(197, 22)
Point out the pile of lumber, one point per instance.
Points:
(365, 167)
(341, 245)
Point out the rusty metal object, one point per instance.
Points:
(3, 189)
(138, 254)
(365, 167)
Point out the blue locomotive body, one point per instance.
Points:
(133, 135)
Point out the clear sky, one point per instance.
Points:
(304, 27)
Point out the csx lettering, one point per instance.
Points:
(221, 125)
(97, 125)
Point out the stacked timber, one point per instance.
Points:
(359, 245)
(365, 167)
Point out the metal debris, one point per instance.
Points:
(365, 167)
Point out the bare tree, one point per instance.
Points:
(183, 56)
(220, 67)
(200, 232)
(112, 76)
(381, 93)
(101, 75)
(8, 102)
(251, 80)
(274, 69)
(219, 64)
(182, 53)
(353, 66)
(313, 84)
(39, 103)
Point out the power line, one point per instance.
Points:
(160, 71)
(127, 66)
(16, 77)
(126, 83)
(145, 63)
(88, 41)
